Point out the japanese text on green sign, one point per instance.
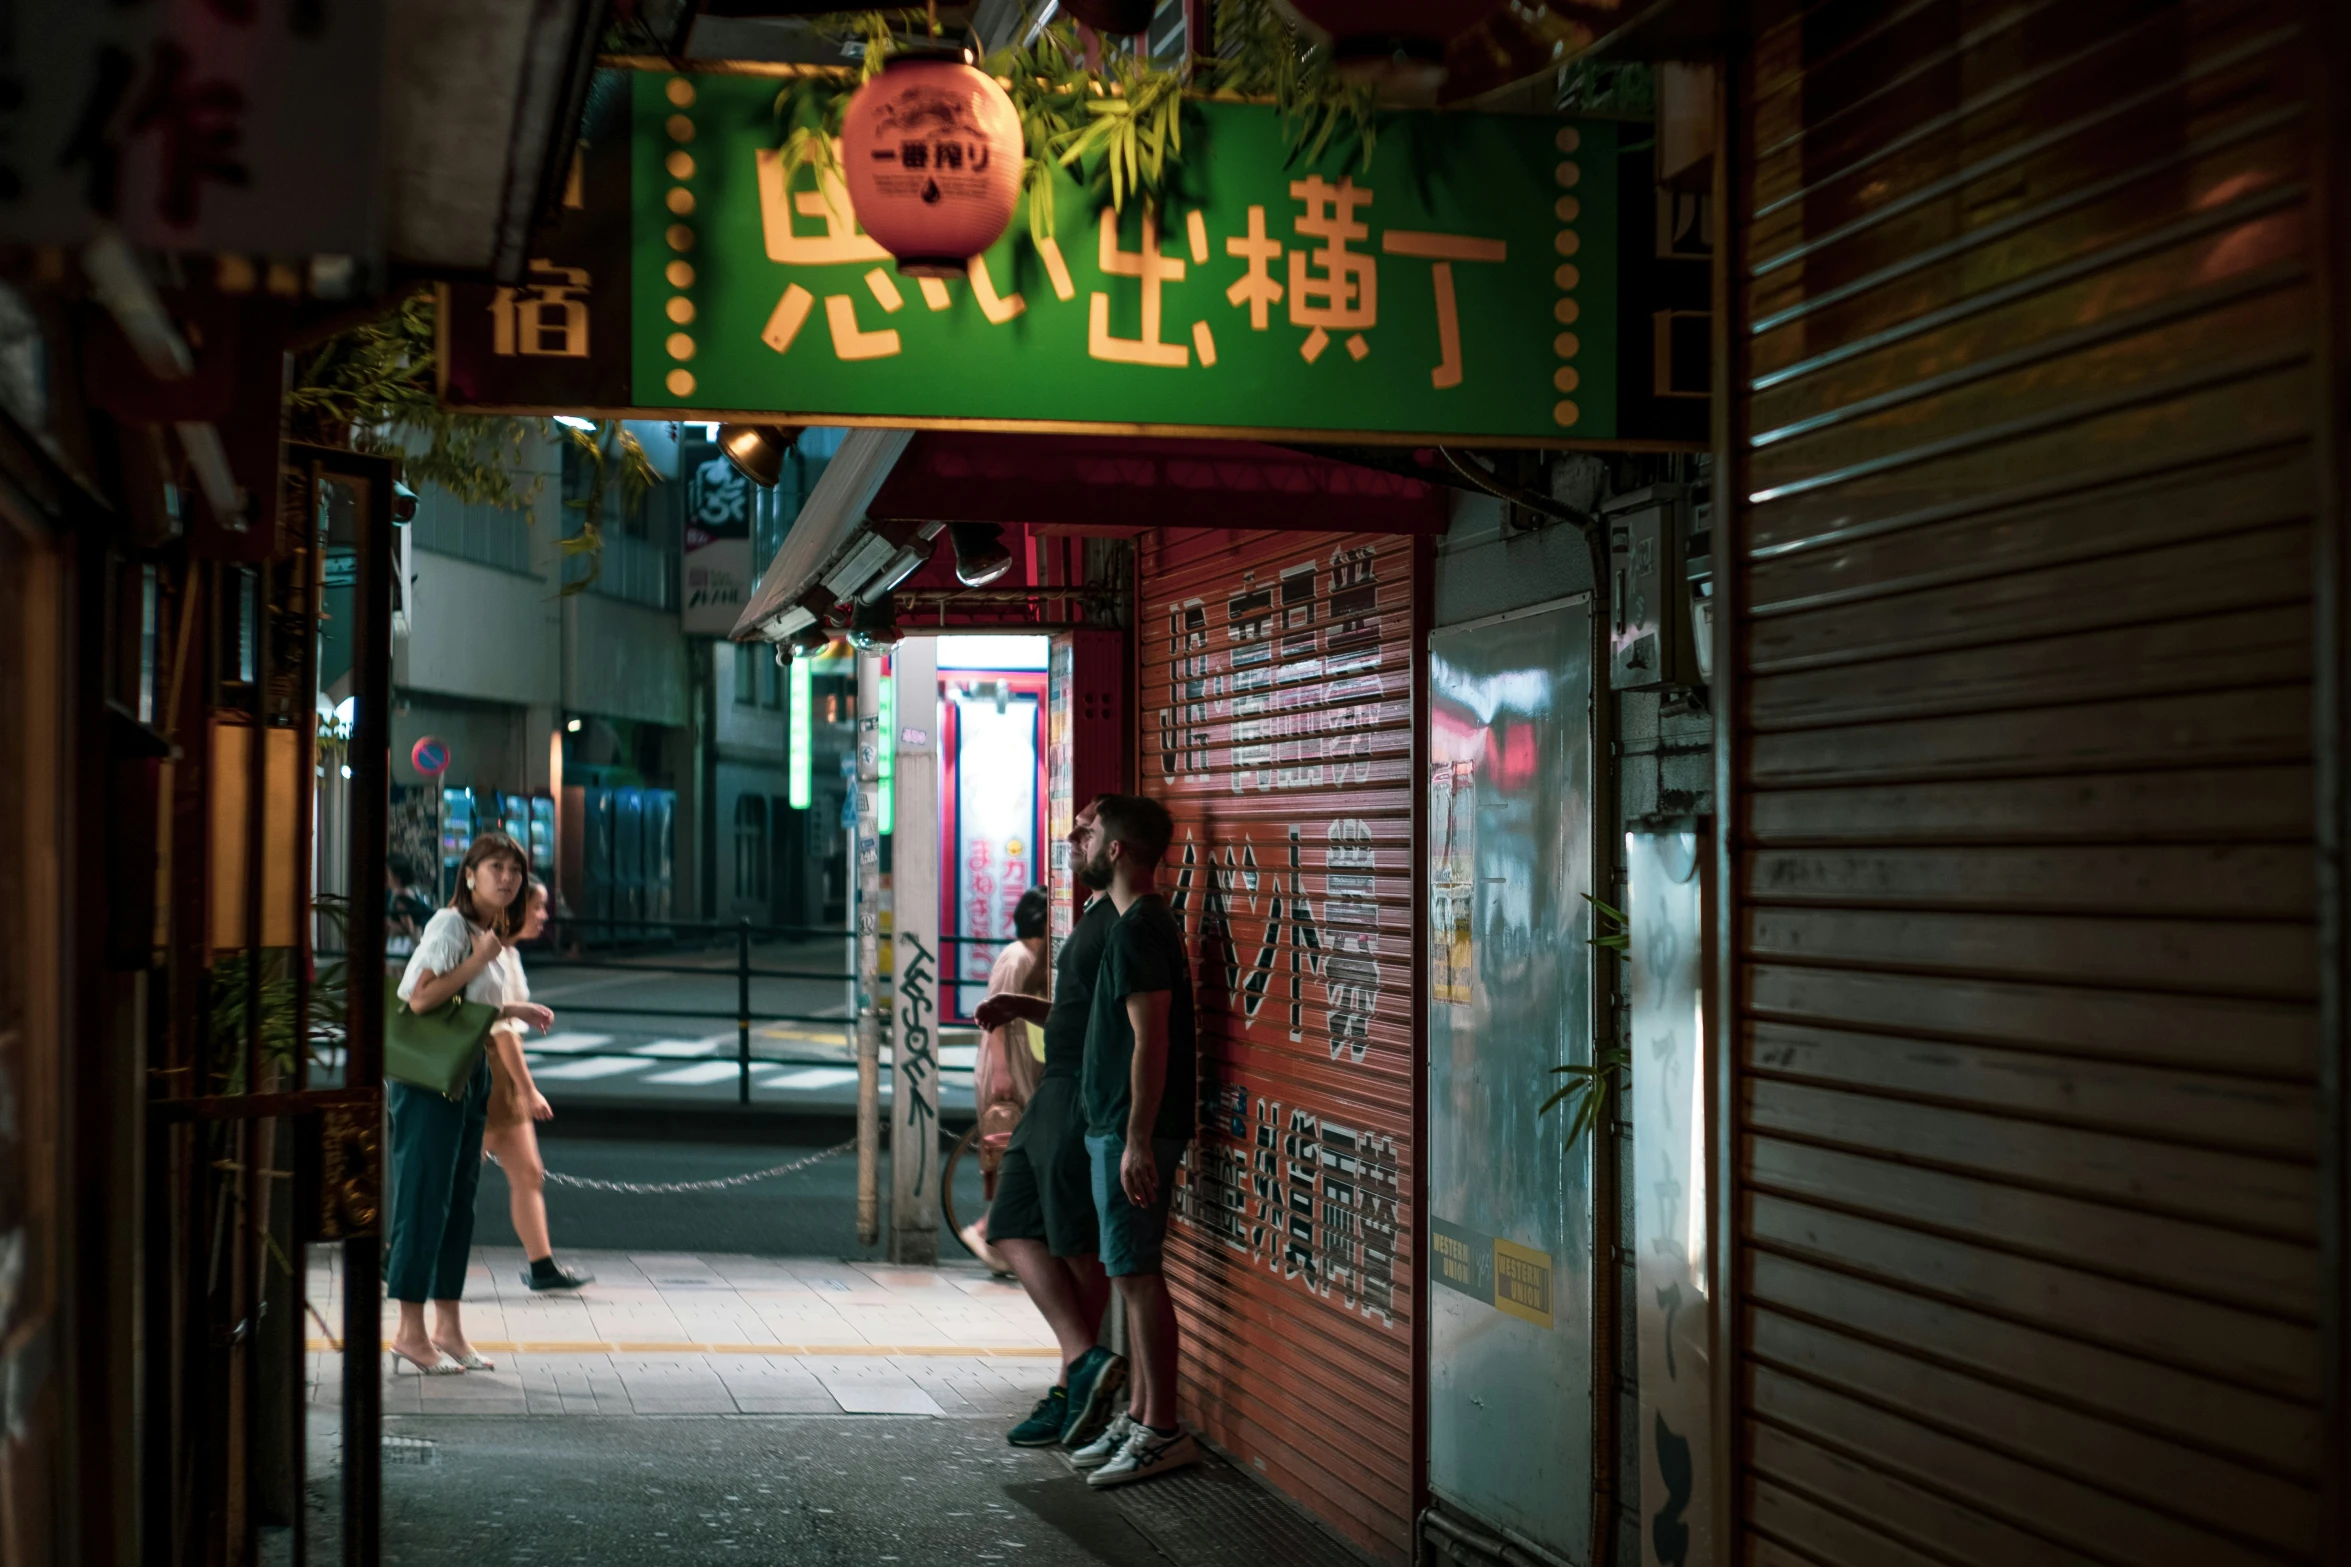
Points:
(1461, 286)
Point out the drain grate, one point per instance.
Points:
(1215, 1516)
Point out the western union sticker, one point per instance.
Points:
(1522, 1282)
(1461, 1259)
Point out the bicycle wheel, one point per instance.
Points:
(947, 1186)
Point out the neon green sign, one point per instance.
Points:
(886, 764)
(798, 788)
(1463, 286)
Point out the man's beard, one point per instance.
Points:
(1095, 873)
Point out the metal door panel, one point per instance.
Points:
(1510, 998)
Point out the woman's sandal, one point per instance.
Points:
(470, 1360)
(445, 1365)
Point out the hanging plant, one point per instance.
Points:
(617, 466)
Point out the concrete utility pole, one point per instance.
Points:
(916, 972)
(867, 918)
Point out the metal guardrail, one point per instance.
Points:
(743, 970)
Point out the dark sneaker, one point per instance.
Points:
(1043, 1426)
(1096, 1384)
(1146, 1456)
(556, 1278)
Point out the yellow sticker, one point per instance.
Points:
(1522, 1282)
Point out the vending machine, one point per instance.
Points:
(992, 805)
(628, 856)
(542, 836)
(661, 809)
(459, 824)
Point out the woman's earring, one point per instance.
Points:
(469, 884)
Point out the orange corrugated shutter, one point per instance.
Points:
(1277, 678)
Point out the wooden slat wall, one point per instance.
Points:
(2025, 1267)
(1276, 713)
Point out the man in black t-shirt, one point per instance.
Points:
(1140, 1098)
(1042, 1219)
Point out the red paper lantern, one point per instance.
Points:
(933, 152)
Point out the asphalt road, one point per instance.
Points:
(811, 1213)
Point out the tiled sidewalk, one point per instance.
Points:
(675, 1334)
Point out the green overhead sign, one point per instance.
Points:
(1463, 287)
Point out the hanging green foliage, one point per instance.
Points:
(618, 469)
(373, 388)
(1117, 129)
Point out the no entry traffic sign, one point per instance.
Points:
(430, 756)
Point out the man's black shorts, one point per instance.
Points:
(1043, 1190)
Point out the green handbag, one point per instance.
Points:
(441, 1049)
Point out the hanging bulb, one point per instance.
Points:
(980, 555)
(757, 450)
(873, 628)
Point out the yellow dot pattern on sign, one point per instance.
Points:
(678, 164)
(1567, 242)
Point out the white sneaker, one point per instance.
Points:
(1105, 1447)
(1146, 1456)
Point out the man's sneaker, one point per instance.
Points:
(1096, 1383)
(1146, 1456)
(1043, 1426)
(1106, 1446)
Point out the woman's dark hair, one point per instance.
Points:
(502, 923)
(1028, 915)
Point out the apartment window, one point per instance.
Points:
(642, 544)
(472, 530)
(751, 857)
(771, 677)
(746, 674)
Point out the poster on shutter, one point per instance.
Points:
(1673, 1315)
(1276, 707)
(1510, 748)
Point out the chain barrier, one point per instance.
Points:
(666, 1188)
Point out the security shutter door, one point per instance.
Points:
(1276, 679)
(2023, 1263)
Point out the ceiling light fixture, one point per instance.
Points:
(873, 628)
(980, 555)
(758, 450)
(575, 422)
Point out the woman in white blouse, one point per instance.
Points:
(515, 1102)
(436, 1141)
